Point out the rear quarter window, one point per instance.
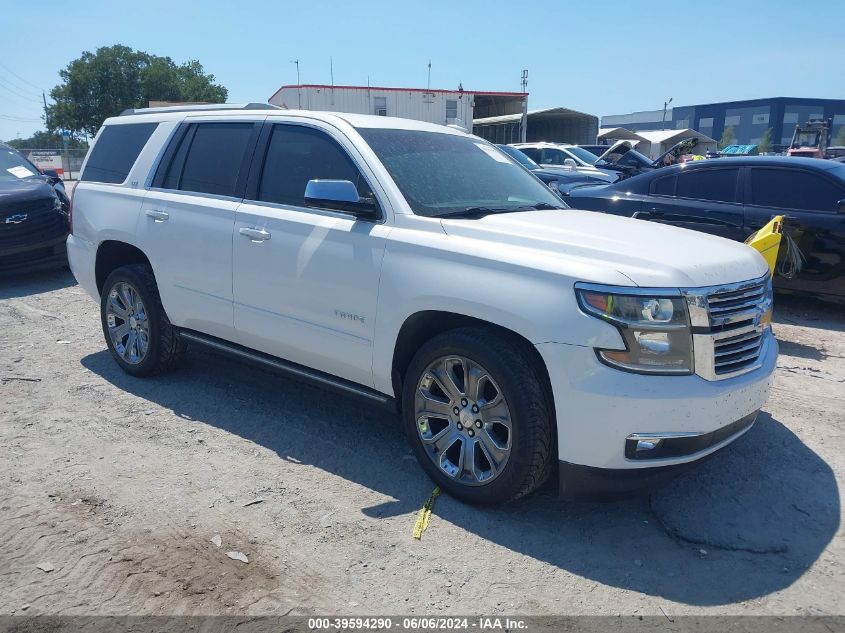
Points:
(115, 151)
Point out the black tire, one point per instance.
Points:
(507, 360)
(165, 348)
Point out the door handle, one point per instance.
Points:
(255, 235)
(158, 216)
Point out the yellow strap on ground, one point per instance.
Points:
(424, 517)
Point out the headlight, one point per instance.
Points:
(655, 329)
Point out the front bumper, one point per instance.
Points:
(599, 408)
(586, 482)
(47, 254)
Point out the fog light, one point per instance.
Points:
(648, 445)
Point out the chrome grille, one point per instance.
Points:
(728, 333)
(731, 306)
(735, 353)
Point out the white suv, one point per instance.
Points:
(420, 267)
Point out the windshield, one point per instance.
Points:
(442, 174)
(582, 155)
(806, 139)
(518, 156)
(13, 166)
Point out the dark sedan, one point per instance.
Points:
(34, 213)
(733, 197)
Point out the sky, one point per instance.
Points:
(608, 57)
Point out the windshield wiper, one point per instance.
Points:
(476, 212)
(480, 212)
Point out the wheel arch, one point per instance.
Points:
(112, 254)
(426, 324)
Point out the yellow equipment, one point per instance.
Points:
(767, 241)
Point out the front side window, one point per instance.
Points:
(794, 189)
(532, 152)
(210, 158)
(708, 184)
(442, 174)
(451, 108)
(297, 154)
(115, 151)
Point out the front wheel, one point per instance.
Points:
(477, 415)
(138, 333)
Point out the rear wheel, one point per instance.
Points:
(138, 333)
(477, 415)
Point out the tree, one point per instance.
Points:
(46, 140)
(728, 138)
(765, 144)
(840, 136)
(102, 84)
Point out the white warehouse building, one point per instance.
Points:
(445, 107)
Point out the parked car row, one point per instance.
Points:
(34, 215)
(734, 197)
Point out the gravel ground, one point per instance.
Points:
(120, 485)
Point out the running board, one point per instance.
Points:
(292, 369)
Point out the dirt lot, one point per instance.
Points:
(120, 484)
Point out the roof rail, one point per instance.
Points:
(201, 108)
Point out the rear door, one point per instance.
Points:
(188, 215)
(809, 200)
(707, 200)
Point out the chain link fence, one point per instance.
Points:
(66, 162)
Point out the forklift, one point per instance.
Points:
(811, 139)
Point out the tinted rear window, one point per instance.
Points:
(664, 186)
(215, 157)
(708, 184)
(116, 151)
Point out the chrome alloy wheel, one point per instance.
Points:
(463, 420)
(128, 325)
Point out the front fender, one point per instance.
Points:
(538, 305)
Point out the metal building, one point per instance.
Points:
(748, 120)
(446, 107)
(556, 125)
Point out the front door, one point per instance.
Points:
(704, 199)
(810, 201)
(306, 279)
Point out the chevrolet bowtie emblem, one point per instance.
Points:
(16, 219)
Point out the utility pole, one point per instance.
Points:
(331, 73)
(665, 105)
(46, 122)
(428, 84)
(298, 83)
(523, 123)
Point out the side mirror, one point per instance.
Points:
(570, 162)
(338, 194)
(52, 176)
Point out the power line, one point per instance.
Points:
(10, 71)
(12, 90)
(8, 117)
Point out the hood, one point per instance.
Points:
(676, 151)
(649, 254)
(619, 147)
(23, 191)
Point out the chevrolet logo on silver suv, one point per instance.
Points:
(16, 219)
